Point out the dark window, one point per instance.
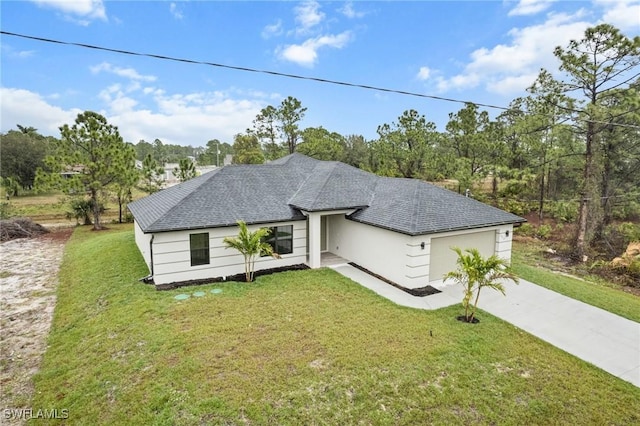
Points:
(199, 248)
(281, 239)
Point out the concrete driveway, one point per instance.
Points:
(597, 336)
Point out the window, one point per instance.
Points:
(281, 239)
(199, 244)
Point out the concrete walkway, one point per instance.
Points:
(606, 340)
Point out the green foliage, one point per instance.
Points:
(251, 245)
(151, 175)
(472, 137)
(247, 150)
(81, 210)
(215, 153)
(11, 186)
(627, 210)
(290, 114)
(476, 272)
(630, 231)
(517, 207)
(277, 128)
(405, 148)
(564, 211)
(7, 210)
(22, 152)
(526, 230)
(94, 156)
(319, 143)
(186, 170)
(544, 231)
(600, 74)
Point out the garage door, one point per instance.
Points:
(443, 259)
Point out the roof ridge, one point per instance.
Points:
(416, 205)
(303, 184)
(326, 179)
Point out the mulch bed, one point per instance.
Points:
(237, 277)
(419, 292)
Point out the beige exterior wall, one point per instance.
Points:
(172, 256)
(395, 256)
(142, 241)
(411, 261)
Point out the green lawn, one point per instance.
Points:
(306, 347)
(606, 296)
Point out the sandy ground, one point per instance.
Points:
(28, 281)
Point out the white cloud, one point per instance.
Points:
(308, 16)
(530, 49)
(13, 53)
(272, 30)
(185, 119)
(129, 73)
(512, 84)
(176, 11)
(27, 108)
(530, 7)
(306, 53)
(79, 11)
(348, 11)
(150, 113)
(424, 73)
(624, 15)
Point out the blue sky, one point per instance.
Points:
(485, 52)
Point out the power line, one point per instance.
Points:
(248, 69)
(280, 74)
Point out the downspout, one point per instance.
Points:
(149, 278)
(151, 253)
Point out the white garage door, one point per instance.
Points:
(443, 259)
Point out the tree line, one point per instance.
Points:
(571, 147)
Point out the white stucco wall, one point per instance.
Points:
(402, 258)
(387, 253)
(172, 256)
(142, 241)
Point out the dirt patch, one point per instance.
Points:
(28, 280)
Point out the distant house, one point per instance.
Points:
(401, 229)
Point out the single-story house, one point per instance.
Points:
(401, 229)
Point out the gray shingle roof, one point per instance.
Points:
(415, 207)
(277, 191)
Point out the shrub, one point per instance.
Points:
(526, 230)
(563, 211)
(626, 211)
(520, 208)
(6, 210)
(544, 231)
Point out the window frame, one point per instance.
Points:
(273, 239)
(197, 258)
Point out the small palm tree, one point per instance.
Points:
(474, 273)
(251, 245)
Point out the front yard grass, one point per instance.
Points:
(304, 347)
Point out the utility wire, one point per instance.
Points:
(280, 74)
(254, 70)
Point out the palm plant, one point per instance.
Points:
(474, 273)
(251, 245)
